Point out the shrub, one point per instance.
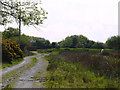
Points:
(10, 51)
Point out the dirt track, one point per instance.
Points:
(26, 60)
(25, 80)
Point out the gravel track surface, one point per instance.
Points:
(26, 60)
(25, 80)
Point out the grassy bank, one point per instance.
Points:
(12, 63)
(83, 69)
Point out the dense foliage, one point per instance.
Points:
(10, 51)
(113, 42)
(80, 41)
(24, 41)
(41, 43)
(13, 35)
(26, 11)
(23, 12)
(10, 32)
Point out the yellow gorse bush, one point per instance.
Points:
(10, 50)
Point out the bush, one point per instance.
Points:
(10, 51)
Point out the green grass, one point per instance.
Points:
(12, 63)
(15, 73)
(66, 71)
(70, 49)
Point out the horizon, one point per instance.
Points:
(96, 20)
(65, 37)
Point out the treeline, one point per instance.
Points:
(11, 50)
(74, 41)
(10, 44)
(13, 35)
(80, 41)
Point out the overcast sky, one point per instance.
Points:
(95, 19)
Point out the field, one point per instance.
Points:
(83, 68)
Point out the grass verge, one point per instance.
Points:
(12, 63)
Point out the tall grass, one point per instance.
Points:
(103, 64)
(82, 69)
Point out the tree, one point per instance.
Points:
(66, 43)
(26, 12)
(40, 43)
(54, 44)
(113, 42)
(10, 32)
(74, 41)
(83, 40)
(98, 45)
(89, 43)
(13, 33)
(25, 41)
(47, 44)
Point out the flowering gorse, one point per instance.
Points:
(10, 50)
